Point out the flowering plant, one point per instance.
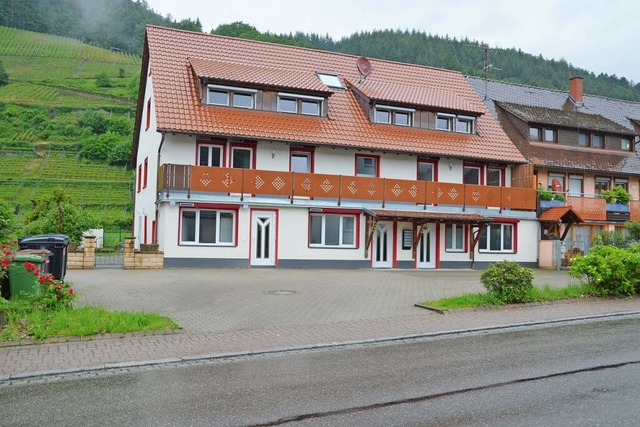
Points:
(7, 255)
(56, 294)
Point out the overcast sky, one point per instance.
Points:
(599, 36)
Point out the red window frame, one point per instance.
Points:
(145, 172)
(139, 177)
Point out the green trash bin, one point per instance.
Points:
(21, 281)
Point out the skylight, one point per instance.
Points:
(331, 80)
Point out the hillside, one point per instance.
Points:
(65, 99)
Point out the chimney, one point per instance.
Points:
(576, 89)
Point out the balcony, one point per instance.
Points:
(595, 208)
(253, 182)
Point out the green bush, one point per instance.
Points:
(608, 270)
(508, 281)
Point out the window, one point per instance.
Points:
(148, 122)
(494, 176)
(210, 155)
(302, 160)
(393, 115)
(242, 155)
(575, 185)
(583, 139)
(207, 227)
(601, 183)
(535, 133)
(230, 96)
(625, 144)
(299, 104)
(330, 80)
(550, 135)
(497, 238)
(471, 175)
(597, 141)
(621, 182)
(139, 177)
(366, 165)
(426, 170)
(145, 172)
(454, 237)
(464, 124)
(332, 230)
(455, 123)
(444, 122)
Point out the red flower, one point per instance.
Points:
(36, 271)
(58, 296)
(70, 291)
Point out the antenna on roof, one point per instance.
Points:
(486, 64)
(365, 68)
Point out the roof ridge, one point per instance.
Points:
(518, 84)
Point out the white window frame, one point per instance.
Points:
(301, 154)
(231, 92)
(625, 144)
(299, 99)
(393, 111)
(341, 230)
(486, 236)
(470, 122)
(375, 165)
(450, 119)
(196, 231)
(455, 230)
(209, 152)
(242, 148)
(454, 120)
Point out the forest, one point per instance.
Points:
(119, 25)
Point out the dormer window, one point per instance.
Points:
(300, 104)
(393, 115)
(230, 96)
(455, 123)
(625, 144)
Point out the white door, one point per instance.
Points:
(426, 251)
(383, 245)
(263, 238)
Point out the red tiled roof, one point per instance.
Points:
(256, 75)
(173, 54)
(560, 212)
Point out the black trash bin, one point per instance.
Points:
(57, 244)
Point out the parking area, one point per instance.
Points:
(227, 300)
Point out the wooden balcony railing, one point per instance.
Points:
(247, 182)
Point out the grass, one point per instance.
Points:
(487, 299)
(26, 322)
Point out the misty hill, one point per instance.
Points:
(119, 24)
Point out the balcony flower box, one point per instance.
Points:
(617, 207)
(545, 204)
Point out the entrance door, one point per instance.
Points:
(383, 245)
(426, 251)
(263, 238)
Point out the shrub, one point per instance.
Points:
(103, 80)
(508, 281)
(608, 270)
(608, 237)
(633, 228)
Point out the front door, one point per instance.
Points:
(426, 248)
(383, 245)
(263, 238)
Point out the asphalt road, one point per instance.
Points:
(579, 374)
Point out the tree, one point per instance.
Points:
(4, 77)
(56, 213)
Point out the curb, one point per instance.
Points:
(227, 355)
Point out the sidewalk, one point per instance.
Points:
(255, 310)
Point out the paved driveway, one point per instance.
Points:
(226, 300)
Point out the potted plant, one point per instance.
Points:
(617, 199)
(550, 198)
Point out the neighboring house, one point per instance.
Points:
(578, 146)
(257, 154)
